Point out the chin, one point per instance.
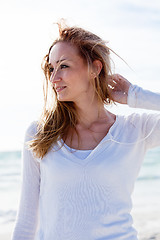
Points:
(64, 98)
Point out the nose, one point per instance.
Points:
(55, 77)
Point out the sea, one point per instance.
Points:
(146, 194)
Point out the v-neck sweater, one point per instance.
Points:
(66, 198)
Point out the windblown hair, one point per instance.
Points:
(59, 116)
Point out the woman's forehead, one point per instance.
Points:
(63, 51)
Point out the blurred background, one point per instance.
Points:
(27, 29)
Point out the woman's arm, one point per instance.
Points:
(27, 217)
(140, 98)
(124, 92)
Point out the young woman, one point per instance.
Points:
(82, 162)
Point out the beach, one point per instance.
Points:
(147, 224)
(6, 231)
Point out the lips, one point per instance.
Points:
(59, 89)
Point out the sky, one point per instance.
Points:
(27, 29)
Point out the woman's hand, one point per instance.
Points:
(118, 88)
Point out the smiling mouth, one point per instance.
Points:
(59, 89)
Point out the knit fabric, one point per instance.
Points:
(64, 197)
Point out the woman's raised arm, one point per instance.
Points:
(124, 92)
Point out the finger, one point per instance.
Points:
(112, 80)
(115, 78)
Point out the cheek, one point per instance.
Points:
(85, 80)
(68, 76)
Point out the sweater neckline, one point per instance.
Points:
(94, 152)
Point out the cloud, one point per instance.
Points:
(141, 14)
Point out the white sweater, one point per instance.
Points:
(64, 197)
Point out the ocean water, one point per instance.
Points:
(147, 187)
(10, 180)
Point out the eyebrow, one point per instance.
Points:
(60, 61)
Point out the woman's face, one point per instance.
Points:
(69, 73)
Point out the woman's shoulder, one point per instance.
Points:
(31, 130)
(134, 118)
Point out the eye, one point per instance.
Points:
(64, 66)
(51, 69)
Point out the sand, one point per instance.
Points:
(5, 236)
(6, 231)
(147, 223)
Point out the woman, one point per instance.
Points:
(82, 162)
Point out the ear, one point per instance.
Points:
(97, 67)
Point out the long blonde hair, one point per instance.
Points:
(58, 117)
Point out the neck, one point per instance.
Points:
(90, 112)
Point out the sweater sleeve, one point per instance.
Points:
(140, 98)
(27, 217)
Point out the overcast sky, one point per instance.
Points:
(132, 28)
